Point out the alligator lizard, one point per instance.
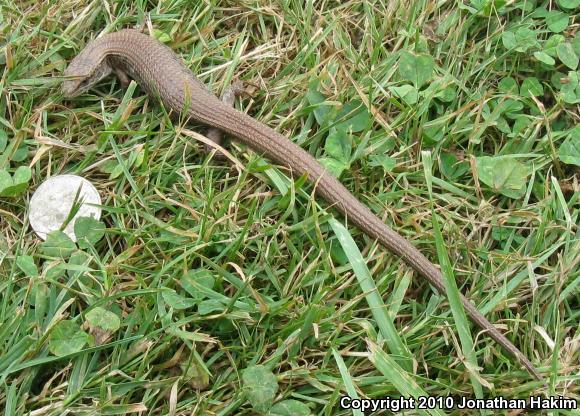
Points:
(133, 55)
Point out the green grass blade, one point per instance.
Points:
(453, 294)
(398, 376)
(347, 380)
(372, 296)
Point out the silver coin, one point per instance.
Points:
(51, 204)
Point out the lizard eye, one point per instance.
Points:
(85, 83)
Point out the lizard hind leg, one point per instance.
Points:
(124, 79)
(215, 134)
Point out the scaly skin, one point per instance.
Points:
(161, 72)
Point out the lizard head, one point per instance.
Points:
(84, 71)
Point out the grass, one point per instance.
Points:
(225, 288)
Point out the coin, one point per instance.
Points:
(50, 206)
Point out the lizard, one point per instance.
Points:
(131, 54)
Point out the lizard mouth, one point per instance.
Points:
(75, 86)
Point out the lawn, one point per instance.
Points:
(227, 287)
